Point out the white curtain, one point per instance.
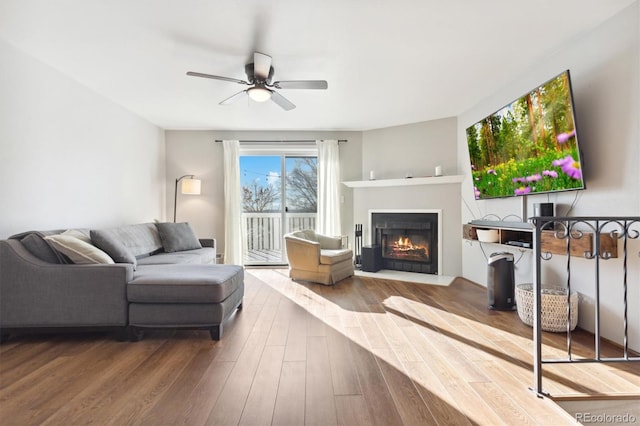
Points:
(328, 222)
(233, 238)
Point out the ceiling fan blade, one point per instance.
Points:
(301, 84)
(216, 77)
(261, 66)
(234, 98)
(283, 102)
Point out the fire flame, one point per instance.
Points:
(404, 244)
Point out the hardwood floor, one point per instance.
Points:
(363, 352)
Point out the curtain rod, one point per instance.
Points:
(281, 141)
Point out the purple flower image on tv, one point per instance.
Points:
(564, 137)
(572, 168)
(560, 162)
(530, 146)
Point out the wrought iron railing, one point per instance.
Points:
(597, 239)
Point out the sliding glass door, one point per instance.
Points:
(279, 195)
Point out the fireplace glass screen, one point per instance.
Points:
(408, 241)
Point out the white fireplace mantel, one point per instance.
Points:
(431, 180)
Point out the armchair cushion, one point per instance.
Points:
(330, 243)
(329, 257)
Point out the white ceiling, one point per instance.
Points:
(387, 62)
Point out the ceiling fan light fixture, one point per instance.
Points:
(261, 89)
(259, 93)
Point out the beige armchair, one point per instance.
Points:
(317, 258)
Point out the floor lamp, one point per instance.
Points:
(190, 186)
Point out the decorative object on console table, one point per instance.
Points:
(488, 235)
(544, 210)
(190, 186)
(371, 258)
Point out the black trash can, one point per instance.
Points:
(501, 282)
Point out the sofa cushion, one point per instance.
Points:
(329, 257)
(107, 241)
(203, 255)
(184, 283)
(81, 234)
(140, 239)
(177, 237)
(78, 251)
(207, 254)
(169, 259)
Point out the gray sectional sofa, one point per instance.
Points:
(128, 278)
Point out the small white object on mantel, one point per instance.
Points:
(431, 180)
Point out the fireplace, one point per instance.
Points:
(408, 240)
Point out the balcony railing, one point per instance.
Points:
(265, 231)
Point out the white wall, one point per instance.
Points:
(413, 149)
(68, 156)
(196, 152)
(605, 71)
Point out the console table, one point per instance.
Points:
(522, 238)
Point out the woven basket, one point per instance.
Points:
(554, 307)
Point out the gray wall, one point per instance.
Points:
(68, 156)
(605, 71)
(413, 149)
(196, 152)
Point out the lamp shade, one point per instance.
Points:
(191, 186)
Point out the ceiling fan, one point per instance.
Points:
(259, 75)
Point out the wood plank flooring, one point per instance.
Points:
(363, 352)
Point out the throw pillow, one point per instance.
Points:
(113, 247)
(177, 237)
(41, 249)
(77, 250)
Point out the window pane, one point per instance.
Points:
(302, 184)
(260, 180)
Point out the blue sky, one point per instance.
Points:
(264, 169)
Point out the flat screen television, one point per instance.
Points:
(530, 146)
